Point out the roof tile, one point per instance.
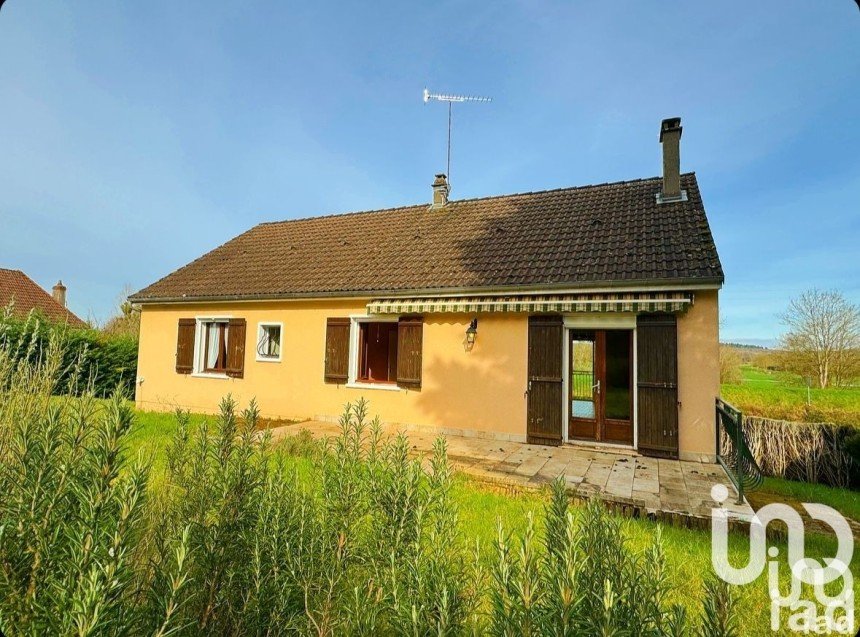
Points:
(574, 237)
(24, 294)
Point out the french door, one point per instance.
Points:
(601, 386)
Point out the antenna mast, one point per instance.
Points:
(443, 97)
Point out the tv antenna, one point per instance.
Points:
(443, 97)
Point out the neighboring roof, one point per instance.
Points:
(605, 235)
(25, 295)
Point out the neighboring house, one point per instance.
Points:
(584, 315)
(24, 295)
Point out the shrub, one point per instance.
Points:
(71, 508)
(91, 360)
(810, 452)
(852, 446)
(730, 364)
(582, 579)
(234, 542)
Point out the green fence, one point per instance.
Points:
(733, 451)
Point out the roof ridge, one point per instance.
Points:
(351, 213)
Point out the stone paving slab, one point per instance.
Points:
(651, 485)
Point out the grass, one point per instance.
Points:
(482, 506)
(783, 396)
(846, 501)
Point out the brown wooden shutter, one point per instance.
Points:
(657, 381)
(545, 380)
(185, 346)
(236, 348)
(410, 343)
(337, 350)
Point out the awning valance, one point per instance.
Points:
(534, 304)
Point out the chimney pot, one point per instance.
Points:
(440, 191)
(59, 293)
(670, 138)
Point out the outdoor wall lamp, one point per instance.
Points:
(471, 333)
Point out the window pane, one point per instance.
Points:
(618, 375)
(378, 352)
(269, 344)
(582, 378)
(215, 354)
(275, 340)
(213, 345)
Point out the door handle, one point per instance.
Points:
(596, 386)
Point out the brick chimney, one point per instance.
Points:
(670, 137)
(59, 293)
(440, 191)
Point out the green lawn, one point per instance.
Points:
(846, 501)
(784, 396)
(688, 550)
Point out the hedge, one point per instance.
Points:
(810, 452)
(106, 362)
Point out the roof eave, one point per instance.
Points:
(687, 284)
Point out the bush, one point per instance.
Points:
(809, 452)
(91, 361)
(233, 542)
(581, 579)
(730, 364)
(852, 448)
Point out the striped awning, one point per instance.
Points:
(534, 304)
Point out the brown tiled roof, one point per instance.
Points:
(25, 295)
(609, 234)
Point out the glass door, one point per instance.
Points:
(584, 385)
(617, 421)
(601, 386)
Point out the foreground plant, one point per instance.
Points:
(71, 508)
(582, 579)
(231, 540)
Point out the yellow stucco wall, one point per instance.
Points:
(481, 390)
(477, 390)
(698, 375)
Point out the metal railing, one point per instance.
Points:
(733, 451)
(583, 385)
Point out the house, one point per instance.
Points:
(582, 315)
(23, 295)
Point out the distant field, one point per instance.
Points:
(784, 396)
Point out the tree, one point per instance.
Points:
(126, 319)
(823, 339)
(730, 365)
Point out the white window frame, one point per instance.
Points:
(354, 331)
(200, 343)
(269, 359)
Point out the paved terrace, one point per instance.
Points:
(667, 489)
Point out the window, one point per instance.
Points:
(269, 342)
(214, 347)
(372, 352)
(377, 352)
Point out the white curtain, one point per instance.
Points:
(214, 345)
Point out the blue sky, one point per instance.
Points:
(136, 136)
